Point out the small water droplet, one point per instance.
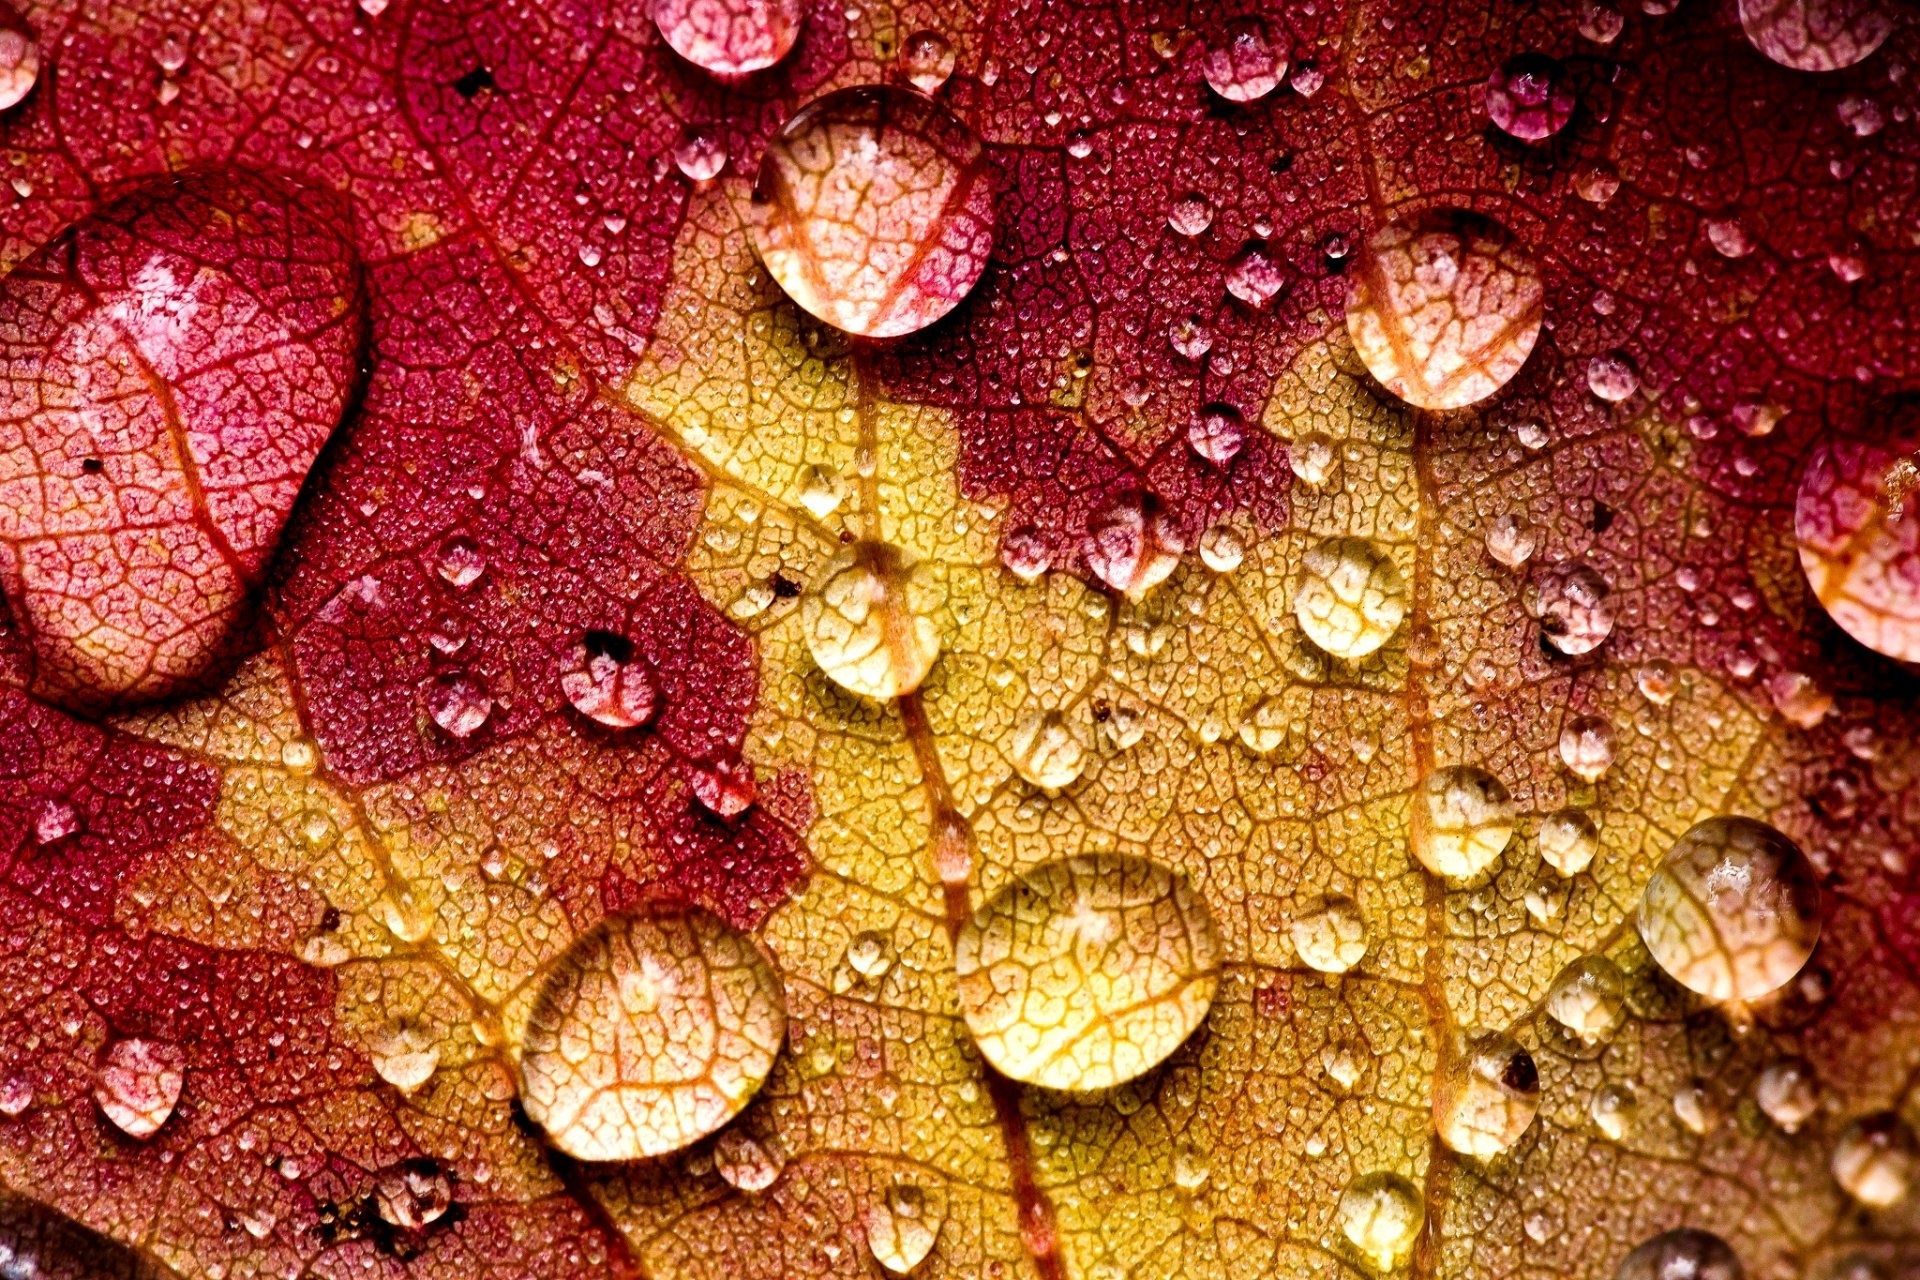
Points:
(458, 703)
(1570, 602)
(872, 620)
(16, 1097)
(699, 156)
(1530, 97)
(1511, 540)
(1255, 276)
(1190, 337)
(870, 954)
(1587, 747)
(1247, 62)
(1788, 1093)
(1465, 821)
(55, 820)
(1050, 749)
(139, 1084)
(1601, 23)
(1875, 1158)
(1657, 681)
(1217, 434)
(1351, 597)
(1728, 238)
(1486, 1097)
(1132, 545)
(171, 53)
(1588, 999)
(1331, 936)
(1190, 215)
(1307, 79)
(460, 562)
(1310, 457)
(414, 1195)
(1381, 1214)
(1024, 552)
(1568, 841)
(1613, 1108)
(903, 1224)
(928, 59)
(748, 1163)
(1612, 377)
(1596, 182)
(609, 683)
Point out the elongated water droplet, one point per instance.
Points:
(729, 37)
(1817, 35)
(1875, 1158)
(1245, 62)
(1444, 310)
(928, 59)
(1857, 524)
(139, 1084)
(1788, 1093)
(1570, 602)
(1586, 747)
(874, 211)
(1588, 999)
(1683, 1254)
(1568, 841)
(1530, 97)
(609, 683)
(1087, 971)
(650, 1031)
(1351, 597)
(1486, 1097)
(872, 620)
(1381, 1214)
(1465, 821)
(903, 1224)
(1734, 911)
(1332, 936)
(19, 61)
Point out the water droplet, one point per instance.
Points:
(373, 8)
(1734, 911)
(1588, 999)
(1332, 936)
(874, 211)
(1691, 1108)
(1546, 900)
(1862, 116)
(19, 63)
(1596, 182)
(1586, 747)
(1445, 310)
(1511, 540)
(725, 788)
(1050, 749)
(1307, 79)
(1848, 262)
(1875, 1158)
(1486, 1097)
(460, 562)
(1381, 1214)
(1570, 601)
(1087, 971)
(1217, 434)
(1464, 820)
(458, 703)
(650, 1031)
(1856, 521)
(1190, 338)
(607, 682)
(16, 1097)
(1255, 276)
(1024, 552)
(1657, 681)
(903, 1225)
(1683, 1254)
(1132, 545)
(1798, 699)
(171, 53)
(1601, 23)
(872, 620)
(404, 1055)
(1613, 1108)
(928, 59)
(748, 1163)
(414, 1195)
(55, 821)
(870, 954)
(1351, 597)
(1568, 841)
(1788, 1092)
(1341, 1061)
(1191, 1167)
(821, 492)
(1310, 458)
(1246, 62)
(589, 254)
(699, 155)
(1221, 549)
(1530, 97)
(1817, 35)
(1532, 436)
(138, 1084)
(1728, 238)
(729, 37)
(1612, 377)
(1190, 215)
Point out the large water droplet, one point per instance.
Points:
(1570, 601)
(1464, 821)
(139, 1084)
(874, 210)
(1486, 1097)
(607, 682)
(1381, 1214)
(404, 1054)
(1245, 62)
(928, 59)
(1351, 597)
(1734, 911)
(1568, 841)
(1683, 1254)
(19, 60)
(872, 620)
(1586, 747)
(1857, 524)
(1530, 97)
(1788, 1093)
(1133, 545)
(650, 1031)
(729, 37)
(1875, 1158)
(1588, 999)
(1217, 434)
(903, 1224)
(1332, 936)
(1817, 35)
(1444, 310)
(1087, 971)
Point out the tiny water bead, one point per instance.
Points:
(1788, 1093)
(1587, 747)
(1381, 1215)
(928, 59)
(609, 683)
(458, 703)
(872, 620)
(1570, 601)
(1588, 999)
(1683, 1254)
(139, 1084)
(1817, 35)
(873, 210)
(1486, 1096)
(1087, 971)
(1568, 841)
(650, 1031)
(1856, 522)
(1190, 215)
(1217, 434)
(1332, 936)
(1612, 376)
(729, 37)
(1875, 1158)
(1444, 310)
(19, 60)
(1246, 61)
(1463, 820)
(903, 1224)
(1050, 749)
(1530, 97)
(1734, 911)
(1351, 597)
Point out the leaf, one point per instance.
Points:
(623, 584)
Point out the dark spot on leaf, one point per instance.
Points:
(1602, 516)
(470, 84)
(329, 919)
(608, 644)
(784, 587)
(93, 466)
(1521, 1075)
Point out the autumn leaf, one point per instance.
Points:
(776, 640)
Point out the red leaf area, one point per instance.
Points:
(478, 156)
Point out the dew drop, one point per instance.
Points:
(903, 1225)
(1596, 182)
(699, 156)
(55, 820)
(729, 37)
(460, 562)
(1733, 912)
(16, 1097)
(1270, 723)
(1788, 1093)
(872, 620)
(1332, 937)
(138, 1085)
(1351, 597)
(1190, 215)
(1024, 552)
(1087, 971)
(1191, 1167)
(1684, 1254)
(404, 1055)
(928, 59)
(1530, 97)
(1799, 700)
(1874, 1160)
(1246, 62)
(1444, 310)
(1511, 540)
(1691, 1108)
(870, 954)
(1613, 1108)
(1341, 1061)
(1657, 681)
(1310, 458)
(1856, 522)
(1587, 747)
(609, 683)
(1568, 841)
(1190, 338)
(725, 788)
(1588, 999)
(171, 53)
(1217, 434)
(373, 8)
(413, 1196)
(1862, 116)
(1307, 79)
(1728, 238)
(1254, 276)
(19, 62)
(1132, 545)
(1601, 23)
(1570, 602)
(458, 703)
(1817, 35)
(1486, 1096)
(747, 1163)
(873, 210)
(1050, 749)
(1465, 821)
(1380, 1215)
(821, 492)
(1612, 377)
(649, 1032)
